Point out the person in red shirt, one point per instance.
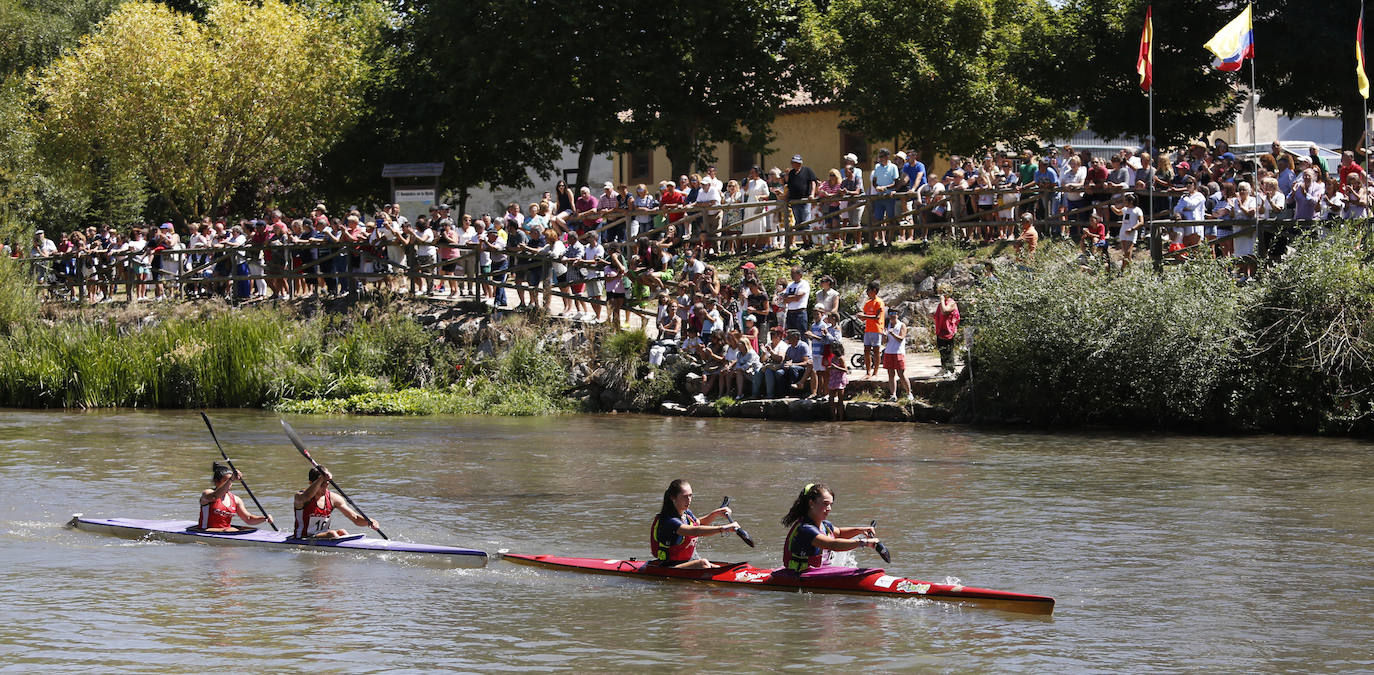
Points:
(1349, 166)
(1094, 235)
(946, 316)
(670, 197)
(315, 504)
(218, 505)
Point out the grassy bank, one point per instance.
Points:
(365, 360)
(1190, 348)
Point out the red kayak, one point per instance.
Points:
(859, 581)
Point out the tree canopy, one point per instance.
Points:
(196, 111)
(944, 75)
(1305, 61)
(1096, 43)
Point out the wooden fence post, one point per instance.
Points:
(786, 226)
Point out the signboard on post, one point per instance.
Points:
(415, 202)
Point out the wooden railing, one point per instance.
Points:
(950, 213)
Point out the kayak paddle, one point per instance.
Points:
(740, 531)
(881, 548)
(231, 468)
(296, 441)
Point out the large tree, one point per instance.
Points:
(710, 73)
(945, 75)
(1305, 61)
(197, 111)
(1094, 48)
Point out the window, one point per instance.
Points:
(641, 166)
(742, 158)
(856, 144)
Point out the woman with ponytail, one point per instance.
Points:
(673, 535)
(811, 537)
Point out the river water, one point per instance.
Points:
(1165, 553)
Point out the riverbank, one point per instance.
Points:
(1059, 343)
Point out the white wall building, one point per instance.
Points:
(494, 201)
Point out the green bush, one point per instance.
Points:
(1311, 361)
(1057, 346)
(18, 296)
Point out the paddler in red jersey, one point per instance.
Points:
(673, 534)
(218, 505)
(314, 505)
(811, 537)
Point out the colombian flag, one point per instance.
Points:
(1233, 43)
(1361, 79)
(1144, 64)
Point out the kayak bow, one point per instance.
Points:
(857, 581)
(181, 531)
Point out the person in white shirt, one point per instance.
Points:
(1191, 207)
(708, 195)
(894, 357)
(1132, 219)
(594, 254)
(756, 220)
(711, 179)
(1356, 197)
(1244, 207)
(554, 249)
(827, 298)
(852, 182)
(423, 239)
(796, 297)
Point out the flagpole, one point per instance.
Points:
(1156, 246)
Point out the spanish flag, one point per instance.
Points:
(1144, 64)
(1361, 79)
(1234, 43)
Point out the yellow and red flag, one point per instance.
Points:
(1361, 79)
(1144, 63)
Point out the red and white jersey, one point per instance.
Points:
(220, 513)
(314, 519)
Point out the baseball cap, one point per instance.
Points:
(901, 155)
(747, 266)
(1228, 155)
(608, 185)
(165, 226)
(851, 157)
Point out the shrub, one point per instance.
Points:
(1055, 345)
(18, 296)
(1310, 366)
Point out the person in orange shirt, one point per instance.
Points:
(874, 313)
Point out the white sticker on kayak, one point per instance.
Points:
(610, 562)
(751, 577)
(909, 586)
(884, 581)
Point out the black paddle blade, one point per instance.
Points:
(881, 548)
(740, 531)
(745, 536)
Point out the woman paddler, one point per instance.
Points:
(316, 503)
(811, 537)
(673, 535)
(218, 505)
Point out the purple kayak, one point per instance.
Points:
(182, 531)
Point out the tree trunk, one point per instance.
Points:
(1352, 123)
(462, 202)
(584, 162)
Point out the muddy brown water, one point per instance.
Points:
(1165, 553)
